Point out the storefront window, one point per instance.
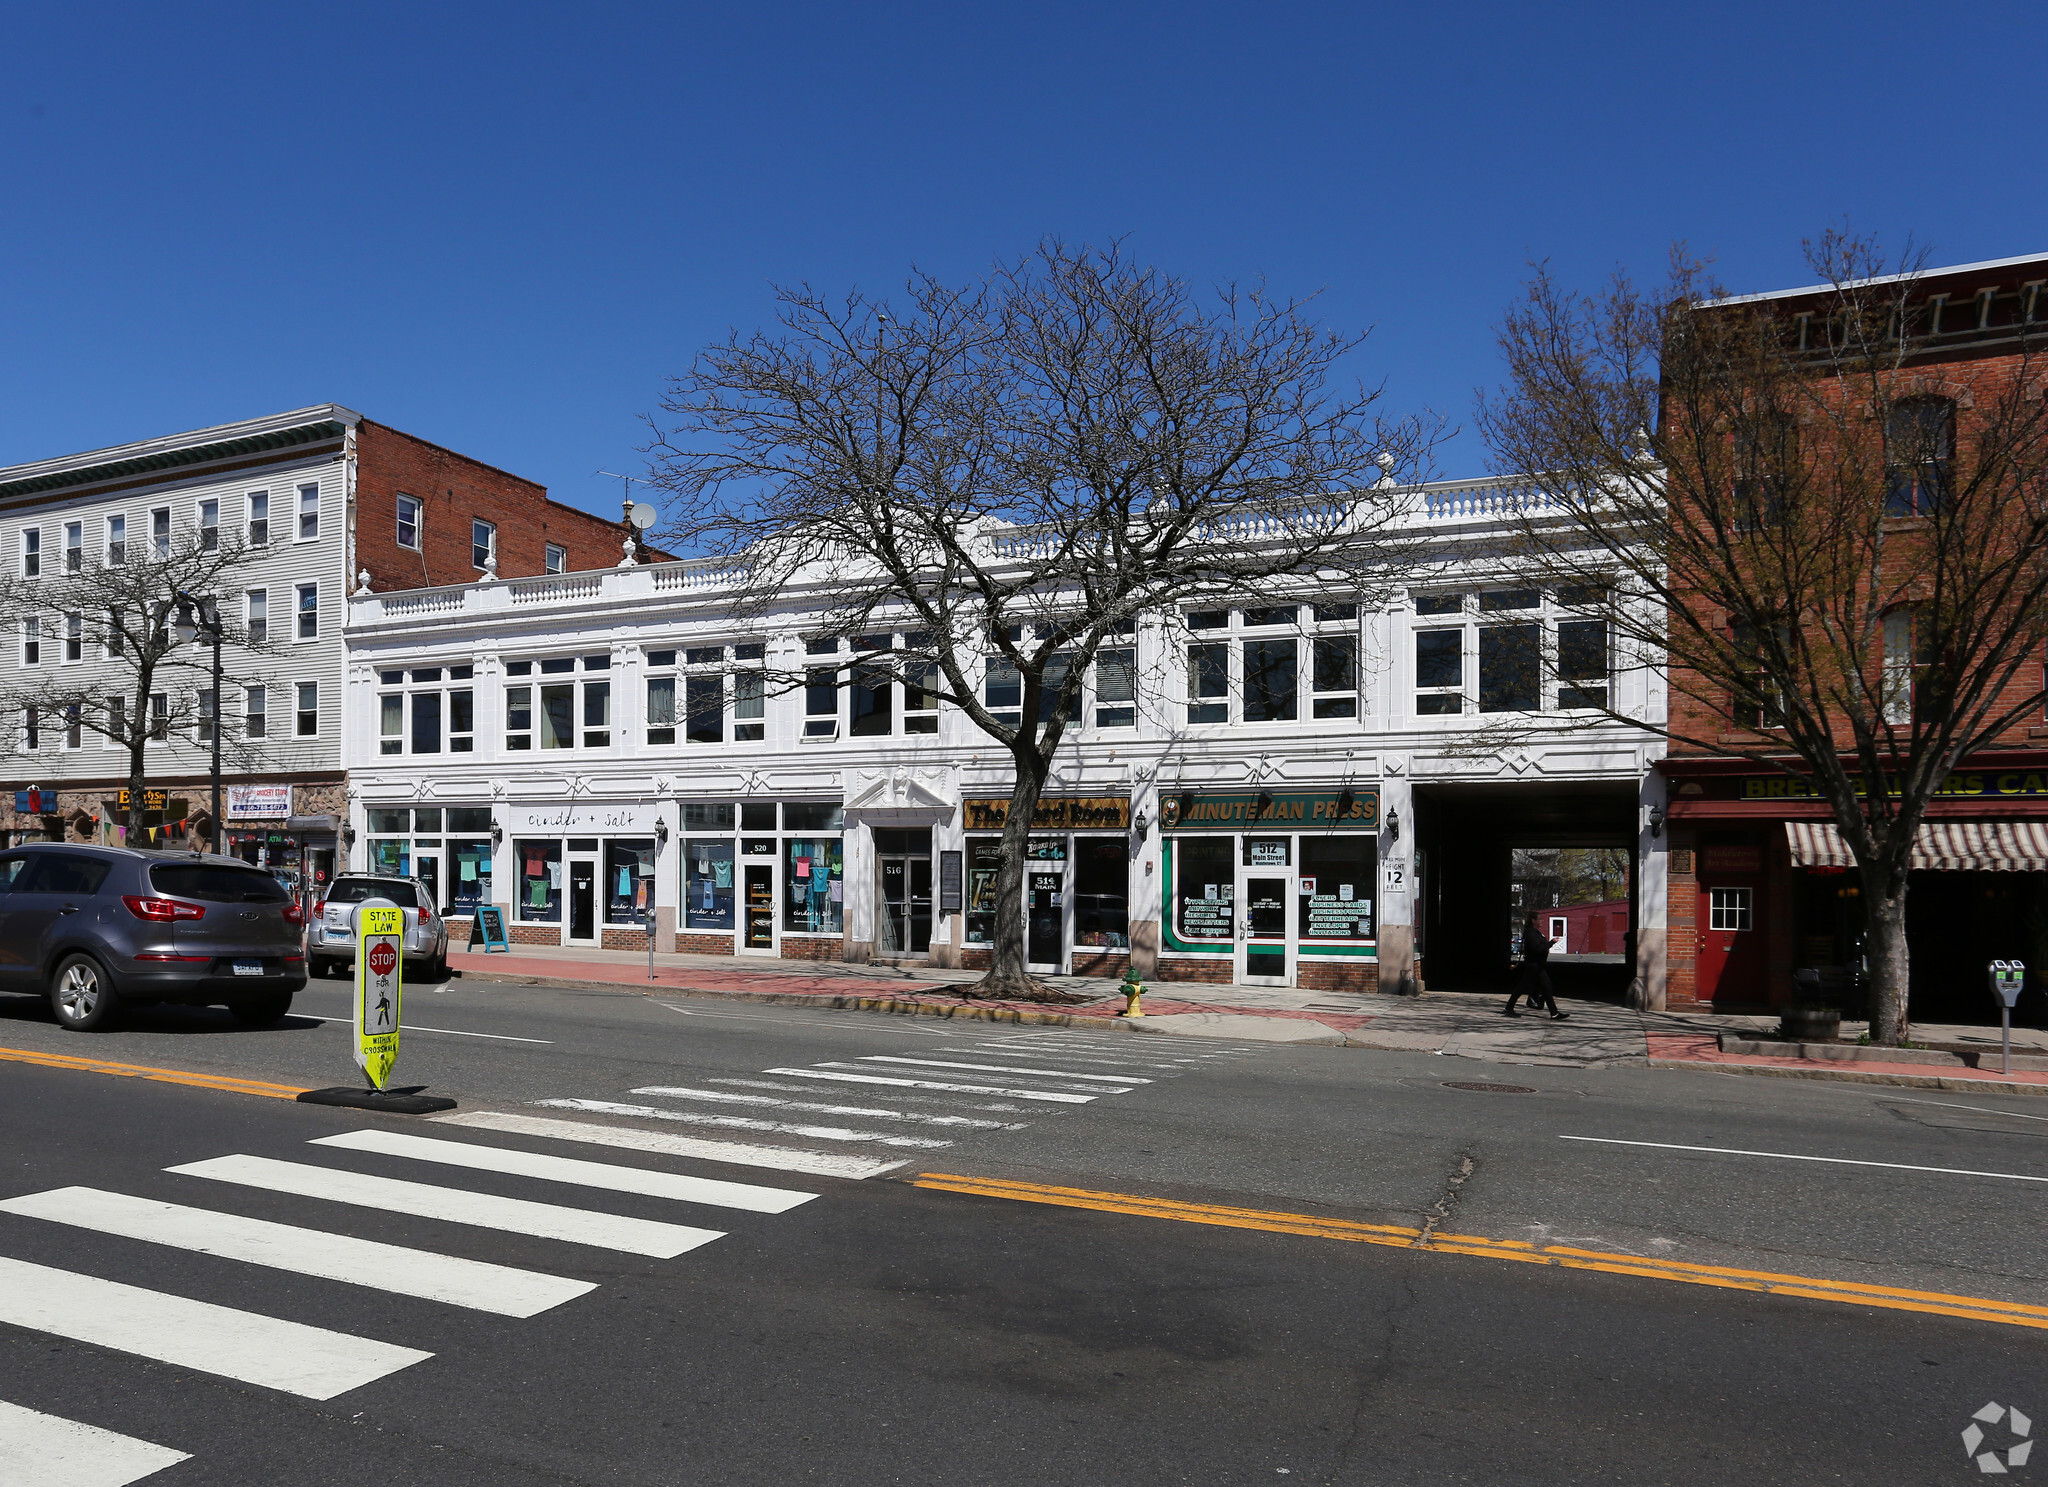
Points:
(1102, 875)
(1046, 849)
(1205, 874)
(983, 853)
(469, 882)
(391, 857)
(1342, 869)
(811, 815)
(709, 895)
(817, 889)
(540, 881)
(628, 882)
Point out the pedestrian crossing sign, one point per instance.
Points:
(380, 966)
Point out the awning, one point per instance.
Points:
(1942, 846)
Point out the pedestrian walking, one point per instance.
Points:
(1535, 982)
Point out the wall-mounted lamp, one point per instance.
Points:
(1656, 820)
(1140, 824)
(497, 835)
(660, 834)
(1394, 825)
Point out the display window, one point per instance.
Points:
(628, 882)
(814, 871)
(1102, 878)
(469, 877)
(983, 855)
(539, 866)
(708, 894)
(1204, 886)
(1337, 877)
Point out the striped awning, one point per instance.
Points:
(1942, 846)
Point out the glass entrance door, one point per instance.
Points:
(906, 925)
(1045, 935)
(1265, 951)
(583, 899)
(760, 907)
(426, 866)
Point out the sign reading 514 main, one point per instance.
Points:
(380, 960)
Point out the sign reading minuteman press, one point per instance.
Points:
(1311, 810)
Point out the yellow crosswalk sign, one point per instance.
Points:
(380, 964)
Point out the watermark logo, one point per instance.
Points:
(1993, 1463)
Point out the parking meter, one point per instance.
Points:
(2007, 978)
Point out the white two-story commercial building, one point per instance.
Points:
(1313, 791)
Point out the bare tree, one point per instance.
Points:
(1013, 472)
(100, 656)
(1846, 566)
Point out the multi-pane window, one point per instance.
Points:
(255, 703)
(31, 728)
(821, 691)
(1116, 687)
(31, 641)
(550, 713)
(1333, 660)
(424, 713)
(74, 727)
(160, 531)
(1002, 690)
(117, 541)
(483, 543)
(74, 546)
(1510, 651)
(259, 519)
(117, 627)
(1919, 454)
(1728, 909)
(1273, 654)
(74, 637)
(206, 715)
(209, 526)
(31, 552)
(872, 693)
(749, 694)
(1208, 681)
(1583, 660)
(1757, 706)
(409, 521)
(557, 558)
(257, 620)
(309, 611)
(116, 710)
(1907, 652)
(160, 717)
(309, 512)
(306, 724)
(1498, 651)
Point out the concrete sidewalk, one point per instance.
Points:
(1453, 1024)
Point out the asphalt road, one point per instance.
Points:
(881, 1332)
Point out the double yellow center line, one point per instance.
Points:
(226, 1082)
(1973, 1308)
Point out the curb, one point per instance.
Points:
(1858, 1076)
(804, 999)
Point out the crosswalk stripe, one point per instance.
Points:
(634, 1138)
(475, 1284)
(51, 1451)
(607, 1175)
(1051, 1096)
(633, 1236)
(717, 1096)
(745, 1123)
(995, 1107)
(230, 1344)
(934, 1063)
(1171, 1069)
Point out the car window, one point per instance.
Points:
(10, 871)
(215, 883)
(60, 872)
(355, 890)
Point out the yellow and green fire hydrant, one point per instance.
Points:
(1133, 989)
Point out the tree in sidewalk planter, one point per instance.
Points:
(1000, 481)
(107, 663)
(1844, 556)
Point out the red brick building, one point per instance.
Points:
(1760, 889)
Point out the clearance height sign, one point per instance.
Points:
(380, 960)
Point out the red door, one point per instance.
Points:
(1731, 955)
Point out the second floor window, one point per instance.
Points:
(426, 715)
(74, 547)
(160, 531)
(559, 714)
(1509, 650)
(117, 541)
(306, 723)
(409, 522)
(258, 616)
(1116, 687)
(1907, 653)
(209, 526)
(31, 552)
(259, 519)
(309, 611)
(31, 641)
(309, 512)
(74, 637)
(1919, 455)
(255, 706)
(483, 543)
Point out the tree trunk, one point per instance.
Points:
(1007, 977)
(1884, 923)
(138, 741)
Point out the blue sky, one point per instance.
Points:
(501, 227)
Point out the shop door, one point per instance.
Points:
(760, 906)
(1045, 940)
(906, 905)
(1730, 966)
(426, 866)
(583, 900)
(1265, 949)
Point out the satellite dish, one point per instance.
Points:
(642, 516)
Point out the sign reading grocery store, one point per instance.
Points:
(1974, 785)
(1313, 810)
(1055, 813)
(258, 802)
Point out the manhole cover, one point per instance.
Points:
(1490, 1089)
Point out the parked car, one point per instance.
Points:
(331, 946)
(99, 928)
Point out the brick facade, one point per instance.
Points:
(453, 490)
(1109, 963)
(1214, 972)
(1338, 975)
(625, 939)
(808, 948)
(704, 944)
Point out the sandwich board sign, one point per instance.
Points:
(380, 963)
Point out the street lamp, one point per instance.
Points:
(196, 616)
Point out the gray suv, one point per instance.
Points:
(331, 944)
(96, 928)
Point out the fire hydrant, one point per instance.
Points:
(1133, 989)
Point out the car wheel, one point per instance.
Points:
(263, 1010)
(82, 995)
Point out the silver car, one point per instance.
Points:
(331, 943)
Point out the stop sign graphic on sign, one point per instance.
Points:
(380, 934)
